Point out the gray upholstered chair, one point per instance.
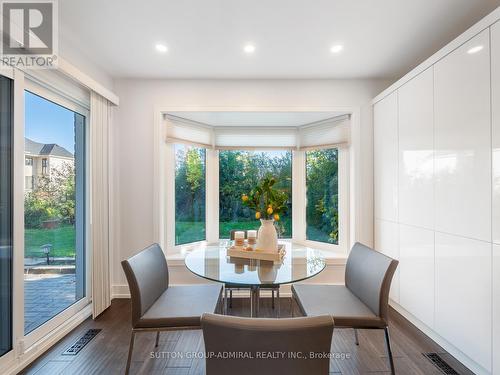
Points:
(363, 302)
(230, 287)
(228, 334)
(156, 306)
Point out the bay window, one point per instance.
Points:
(209, 168)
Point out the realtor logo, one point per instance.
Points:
(29, 33)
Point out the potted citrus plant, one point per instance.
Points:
(269, 204)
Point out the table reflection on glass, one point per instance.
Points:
(211, 262)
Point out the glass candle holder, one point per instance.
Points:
(252, 237)
(239, 238)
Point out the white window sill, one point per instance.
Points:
(333, 254)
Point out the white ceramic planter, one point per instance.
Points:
(267, 238)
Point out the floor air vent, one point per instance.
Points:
(81, 342)
(440, 363)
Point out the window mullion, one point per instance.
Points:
(170, 193)
(299, 196)
(212, 196)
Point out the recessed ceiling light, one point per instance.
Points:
(336, 48)
(475, 49)
(162, 48)
(249, 48)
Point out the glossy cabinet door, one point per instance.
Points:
(463, 140)
(416, 151)
(416, 266)
(387, 242)
(463, 295)
(385, 114)
(496, 309)
(495, 100)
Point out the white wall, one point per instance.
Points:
(133, 135)
(436, 181)
(68, 49)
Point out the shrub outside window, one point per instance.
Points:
(322, 208)
(239, 172)
(190, 189)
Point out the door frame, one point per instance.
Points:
(26, 343)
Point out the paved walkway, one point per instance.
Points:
(46, 295)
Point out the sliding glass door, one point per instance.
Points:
(6, 212)
(54, 209)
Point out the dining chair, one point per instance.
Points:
(267, 346)
(362, 303)
(157, 306)
(230, 287)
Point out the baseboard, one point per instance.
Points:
(41, 346)
(446, 345)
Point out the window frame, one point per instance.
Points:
(211, 231)
(31, 338)
(298, 199)
(260, 150)
(206, 216)
(299, 209)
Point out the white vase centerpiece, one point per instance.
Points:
(267, 237)
(269, 203)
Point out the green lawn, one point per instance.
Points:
(315, 234)
(62, 240)
(189, 231)
(226, 227)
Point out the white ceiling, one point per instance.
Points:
(381, 38)
(256, 118)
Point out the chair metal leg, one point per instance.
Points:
(130, 349)
(291, 306)
(389, 351)
(356, 340)
(272, 298)
(225, 300)
(257, 303)
(278, 312)
(157, 339)
(230, 298)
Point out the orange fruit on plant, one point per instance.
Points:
(257, 215)
(269, 210)
(276, 217)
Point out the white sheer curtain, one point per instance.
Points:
(100, 122)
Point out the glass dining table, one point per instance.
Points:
(212, 263)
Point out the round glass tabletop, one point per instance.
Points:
(212, 263)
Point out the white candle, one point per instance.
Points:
(239, 238)
(252, 235)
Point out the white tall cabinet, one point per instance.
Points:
(386, 188)
(437, 195)
(385, 113)
(463, 198)
(463, 141)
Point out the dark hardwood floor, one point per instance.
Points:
(177, 351)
